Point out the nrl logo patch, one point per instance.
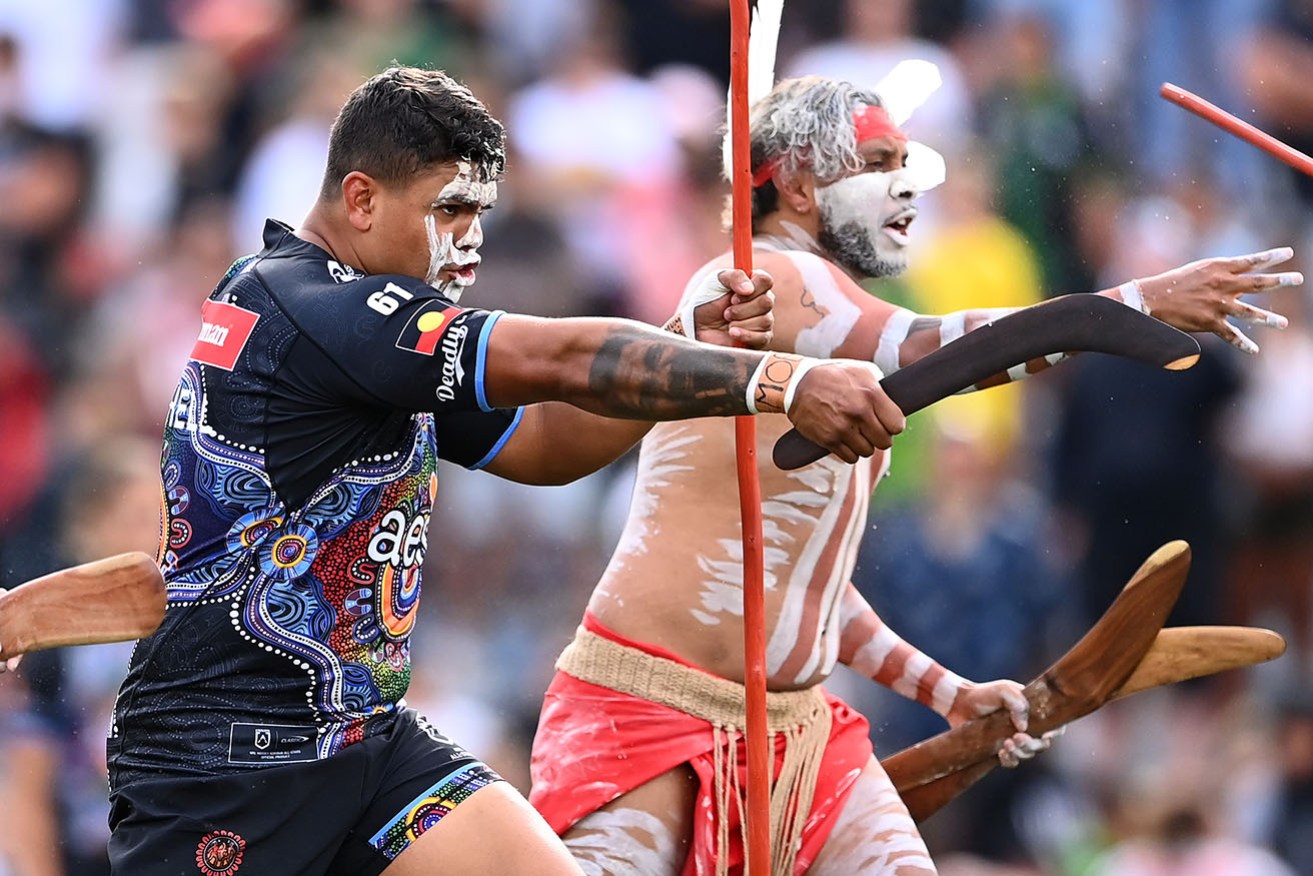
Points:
(342, 273)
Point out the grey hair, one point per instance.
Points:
(806, 123)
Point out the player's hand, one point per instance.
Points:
(1201, 296)
(841, 406)
(10, 664)
(731, 309)
(977, 700)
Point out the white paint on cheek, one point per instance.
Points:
(623, 841)
(839, 314)
(441, 247)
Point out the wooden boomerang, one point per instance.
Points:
(111, 600)
(1177, 654)
(1066, 324)
(1078, 683)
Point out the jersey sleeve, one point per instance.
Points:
(400, 344)
(474, 438)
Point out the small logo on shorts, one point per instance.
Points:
(262, 739)
(220, 853)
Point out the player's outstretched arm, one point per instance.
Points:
(558, 443)
(620, 368)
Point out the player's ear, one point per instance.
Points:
(359, 191)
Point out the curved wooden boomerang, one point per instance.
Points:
(1177, 654)
(111, 600)
(1078, 683)
(1066, 324)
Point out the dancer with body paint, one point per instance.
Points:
(262, 728)
(638, 760)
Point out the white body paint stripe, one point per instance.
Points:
(872, 655)
(913, 669)
(952, 326)
(945, 693)
(891, 340)
(823, 338)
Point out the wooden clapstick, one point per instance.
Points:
(111, 600)
(1177, 654)
(1066, 324)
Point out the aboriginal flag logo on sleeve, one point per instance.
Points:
(426, 327)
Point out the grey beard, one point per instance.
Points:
(851, 246)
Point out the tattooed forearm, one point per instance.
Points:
(637, 374)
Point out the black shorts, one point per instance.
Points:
(352, 813)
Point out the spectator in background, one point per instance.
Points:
(876, 35)
(616, 151)
(1276, 63)
(976, 258)
(54, 713)
(1269, 444)
(281, 173)
(1032, 120)
(29, 770)
(1290, 832)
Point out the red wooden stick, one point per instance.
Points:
(757, 817)
(1245, 131)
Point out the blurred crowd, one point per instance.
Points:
(143, 142)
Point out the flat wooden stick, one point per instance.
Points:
(111, 600)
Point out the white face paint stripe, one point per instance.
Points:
(889, 350)
(440, 248)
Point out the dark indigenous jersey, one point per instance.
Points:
(299, 470)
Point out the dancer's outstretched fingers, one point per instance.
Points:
(1260, 261)
(1247, 312)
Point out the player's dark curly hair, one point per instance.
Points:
(405, 120)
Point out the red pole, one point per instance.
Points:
(1245, 131)
(757, 815)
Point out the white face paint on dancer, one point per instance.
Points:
(452, 260)
(865, 220)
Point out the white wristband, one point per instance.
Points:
(775, 382)
(708, 288)
(1132, 296)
